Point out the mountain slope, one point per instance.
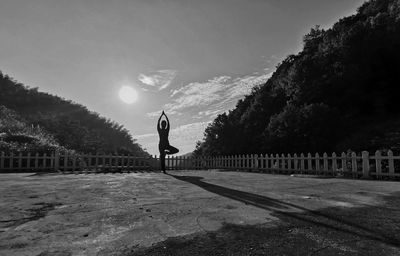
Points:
(70, 125)
(340, 92)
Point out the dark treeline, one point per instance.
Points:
(340, 92)
(33, 120)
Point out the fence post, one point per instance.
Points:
(110, 162)
(267, 163)
(302, 158)
(74, 157)
(262, 163)
(317, 164)
(226, 162)
(28, 161)
(309, 162)
(378, 165)
(278, 163)
(326, 167)
(256, 162)
(124, 162)
(295, 162)
(44, 161)
(56, 160)
(354, 170)
(20, 161)
(365, 164)
(36, 161)
(289, 158)
(334, 163)
(344, 163)
(391, 163)
(65, 167)
(2, 161)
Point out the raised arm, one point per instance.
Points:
(167, 121)
(158, 122)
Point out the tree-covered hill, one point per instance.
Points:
(340, 92)
(29, 117)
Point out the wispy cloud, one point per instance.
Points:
(210, 112)
(212, 97)
(183, 137)
(160, 79)
(157, 113)
(201, 101)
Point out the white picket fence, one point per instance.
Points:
(94, 163)
(376, 165)
(355, 165)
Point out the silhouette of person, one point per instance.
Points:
(164, 146)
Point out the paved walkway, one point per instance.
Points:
(122, 214)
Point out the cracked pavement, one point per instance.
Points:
(118, 214)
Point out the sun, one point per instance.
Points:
(128, 95)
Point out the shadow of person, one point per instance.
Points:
(292, 211)
(244, 197)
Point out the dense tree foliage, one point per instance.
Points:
(57, 123)
(340, 92)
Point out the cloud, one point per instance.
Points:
(210, 112)
(183, 137)
(157, 113)
(160, 79)
(213, 96)
(202, 101)
(197, 94)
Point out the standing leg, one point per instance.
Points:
(162, 160)
(162, 157)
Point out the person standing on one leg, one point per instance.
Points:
(163, 145)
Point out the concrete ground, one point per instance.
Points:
(197, 213)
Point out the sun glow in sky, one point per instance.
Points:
(128, 95)
(194, 59)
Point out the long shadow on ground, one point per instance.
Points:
(354, 231)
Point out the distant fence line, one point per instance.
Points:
(365, 165)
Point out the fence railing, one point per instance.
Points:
(365, 165)
(86, 162)
(355, 165)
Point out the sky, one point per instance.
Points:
(192, 58)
